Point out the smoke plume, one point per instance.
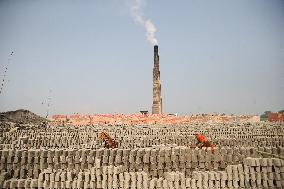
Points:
(137, 14)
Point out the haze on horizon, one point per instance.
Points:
(92, 57)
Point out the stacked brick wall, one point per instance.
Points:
(107, 168)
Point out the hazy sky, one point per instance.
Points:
(92, 57)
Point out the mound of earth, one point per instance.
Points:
(21, 116)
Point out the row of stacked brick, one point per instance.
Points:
(142, 143)
(256, 135)
(251, 173)
(155, 161)
(49, 138)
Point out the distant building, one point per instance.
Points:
(276, 117)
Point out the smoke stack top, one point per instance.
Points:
(156, 48)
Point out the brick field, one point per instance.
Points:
(248, 155)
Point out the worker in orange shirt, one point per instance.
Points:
(202, 142)
(200, 138)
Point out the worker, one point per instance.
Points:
(202, 142)
(200, 138)
(108, 141)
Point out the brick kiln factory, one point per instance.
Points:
(141, 151)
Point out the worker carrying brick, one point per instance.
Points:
(202, 142)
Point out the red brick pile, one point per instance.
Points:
(139, 119)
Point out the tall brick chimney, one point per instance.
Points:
(157, 99)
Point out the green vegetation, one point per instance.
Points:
(265, 115)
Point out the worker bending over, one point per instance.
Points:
(202, 142)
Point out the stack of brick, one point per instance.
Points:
(264, 172)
